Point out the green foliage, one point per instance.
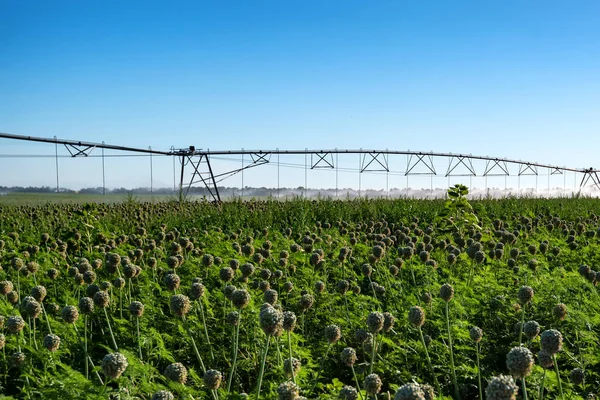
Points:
(458, 214)
(485, 292)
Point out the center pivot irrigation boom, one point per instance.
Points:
(370, 161)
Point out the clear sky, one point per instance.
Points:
(516, 79)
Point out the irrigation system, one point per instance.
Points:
(198, 162)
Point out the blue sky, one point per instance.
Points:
(514, 79)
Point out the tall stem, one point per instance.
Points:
(212, 356)
(522, 321)
(85, 348)
(262, 368)
(235, 351)
(289, 339)
(437, 385)
(321, 366)
(562, 396)
(347, 312)
(356, 380)
(454, 381)
(137, 325)
(524, 388)
(542, 385)
(46, 317)
(34, 341)
(187, 328)
(373, 353)
(479, 372)
(111, 331)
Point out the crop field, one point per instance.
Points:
(356, 299)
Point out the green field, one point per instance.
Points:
(140, 298)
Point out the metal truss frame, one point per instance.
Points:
(370, 161)
(460, 159)
(324, 159)
(420, 159)
(373, 156)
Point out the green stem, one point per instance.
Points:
(374, 294)
(235, 351)
(454, 381)
(137, 325)
(289, 339)
(212, 356)
(542, 385)
(479, 372)
(437, 385)
(121, 302)
(522, 321)
(524, 388)
(346, 302)
(187, 328)
(85, 349)
(373, 353)
(412, 271)
(262, 368)
(279, 359)
(96, 372)
(112, 336)
(356, 380)
(562, 396)
(46, 317)
(34, 341)
(321, 367)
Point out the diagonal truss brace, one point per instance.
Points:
(524, 167)
(257, 159)
(457, 160)
(79, 149)
(496, 162)
(556, 171)
(590, 174)
(206, 177)
(420, 159)
(260, 157)
(373, 156)
(323, 160)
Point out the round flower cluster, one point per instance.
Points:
(416, 316)
(333, 333)
(501, 388)
(136, 309)
(113, 365)
(551, 341)
(410, 391)
(375, 321)
(348, 356)
(294, 367)
(180, 304)
(372, 384)
(212, 379)
(289, 321)
(271, 320)
(476, 334)
(348, 393)
(446, 292)
(525, 294)
(51, 342)
(288, 391)
(531, 329)
(176, 372)
(70, 314)
(240, 298)
(163, 395)
(519, 361)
